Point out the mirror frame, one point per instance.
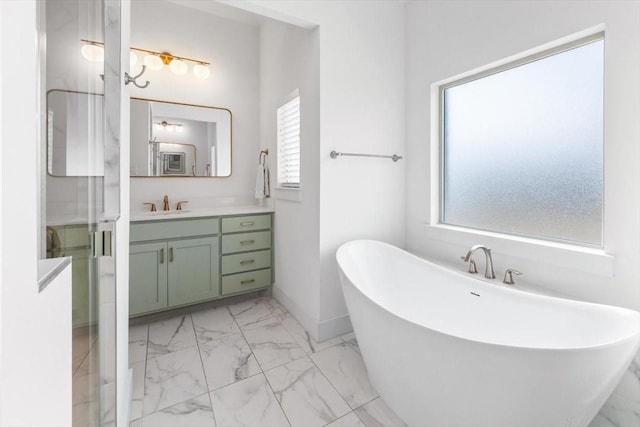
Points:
(192, 105)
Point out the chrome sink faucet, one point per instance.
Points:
(488, 272)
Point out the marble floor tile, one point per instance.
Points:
(227, 360)
(173, 378)
(137, 398)
(377, 414)
(84, 399)
(136, 423)
(343, 366)
(273, 305)
(349, 420)
(251, 313)
(247, 403)
(305, 395)
(166, 336)
(138, 336)
(89, 364)
(213, 323)
(82, 341)
(192, 413)
(302, 337)
(272, 345)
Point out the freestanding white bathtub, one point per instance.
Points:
(447, 350)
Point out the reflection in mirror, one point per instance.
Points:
(170, 139)
(74, 138)
(167, 139)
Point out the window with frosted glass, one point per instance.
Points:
(523, 148)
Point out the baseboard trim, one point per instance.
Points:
(319, 330)
(331, 328)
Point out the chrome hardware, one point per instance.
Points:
(179, 205)
(473, 269)
(193, 170)
(170, 254)
(246, 282)
(165, 205)
(488, 272)
(161, 255)
(247, 242)
(334, 155)
(247, 224)
(128, 79)
(508, 276)
(101, 243)
(248, 261)
(153, 206)
(207, 170)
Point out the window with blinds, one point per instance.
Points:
(289, 144)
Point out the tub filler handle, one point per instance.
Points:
(508, 276)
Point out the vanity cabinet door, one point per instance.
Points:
(147, 277)
(193, 270)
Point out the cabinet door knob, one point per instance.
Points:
(247, 224)
(170, 254)
(247, 261)
(161, 255)
(247, 242)
(246, 282)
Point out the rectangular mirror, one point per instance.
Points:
(168, 139)
(172, 139)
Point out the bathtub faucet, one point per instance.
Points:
(488, 272)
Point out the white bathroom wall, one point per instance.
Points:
(32, 369)
(447, 38)
(362, 110)
(289, 60)
(232, 48)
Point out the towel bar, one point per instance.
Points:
(394, 157)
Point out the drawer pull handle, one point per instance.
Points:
(247, 242)
(170, 254)
(247, 261)
(162, 256)
(246, 282)
(247, 224)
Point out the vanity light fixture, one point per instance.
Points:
(153, 60)
(169, 127)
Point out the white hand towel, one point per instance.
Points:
(262, 179)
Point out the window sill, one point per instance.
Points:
(291, 194)
(586, 260)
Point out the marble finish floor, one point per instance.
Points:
(248, 364)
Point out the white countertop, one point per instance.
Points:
(49, 269)
(197, 213)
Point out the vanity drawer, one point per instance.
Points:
(246, 261)
(170, 229)
(242, 282)
(246, 223)
(246, 242)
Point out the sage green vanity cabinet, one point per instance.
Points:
(147, 277)
(190, 260)
(193, 270)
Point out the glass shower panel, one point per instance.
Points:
(82, 186)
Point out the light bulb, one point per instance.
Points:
(153, 62)
(201, 71)
(178, 67)
(92, 52)
(133, 59)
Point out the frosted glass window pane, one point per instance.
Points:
(523, 148)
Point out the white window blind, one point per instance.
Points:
(289, 144)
